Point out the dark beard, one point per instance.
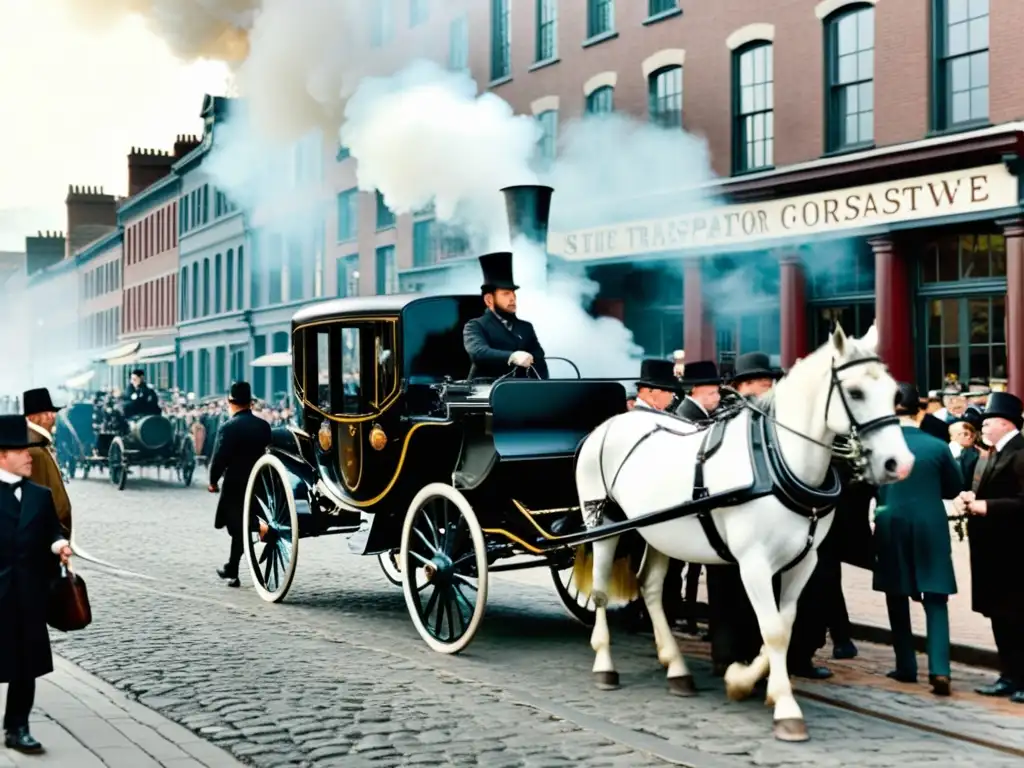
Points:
(505, 314)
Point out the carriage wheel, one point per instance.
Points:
(116, 464)
(389, 563)
(187, 463)
(271, 526)
(444, 568)
(580, 607)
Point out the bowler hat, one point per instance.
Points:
(908, 401)
(701, 372)
(497, 269)
(935, 427)
(754, 365)
(1003, 405)
(657, 374)
(241, 393)
(16, 435)
(139, 372)
(38, 401)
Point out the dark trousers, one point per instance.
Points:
(1009, 637)
(735, 634)
(236, 552)
(21, 694)
(837, 617)
(936, 614)
(672, 595)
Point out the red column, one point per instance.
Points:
(698, 329)
(792, 310)
(892, 309)
(1014, 232)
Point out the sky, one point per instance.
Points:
(74, 100)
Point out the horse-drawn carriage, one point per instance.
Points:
(99, 436)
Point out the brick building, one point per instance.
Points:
(868, 155)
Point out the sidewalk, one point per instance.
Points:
(86, 723)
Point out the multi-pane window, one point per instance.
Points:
(548, 143)
(424, 251)
(348, 215)
(601, 100)
(962, 64)
(458, 44)
(665, 89)
(382, 23)
(387, 273)
(385, 218)
(547, 29)
(952, 258)
(419, 10)
(654, 7)
(501, 40)
(851, 72)
(348, 275)
(600, 17)
(754, 129)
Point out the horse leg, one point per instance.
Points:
(652, 584)
(605, 676)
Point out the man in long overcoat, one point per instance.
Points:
(241, 441)
(41, 414)
(913, 552)
(30, 542)
(995, 530)
(499, 341)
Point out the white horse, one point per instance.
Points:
(645, 461)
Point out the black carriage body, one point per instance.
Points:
(386, 411)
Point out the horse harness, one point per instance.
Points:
(772, 477)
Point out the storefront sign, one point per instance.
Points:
(926, 197)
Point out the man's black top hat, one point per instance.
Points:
(1005, 406)
(908, 401)
(754, 365)
(700, 372)
(139, 372)
(241, 393)
(972, 416)
(657, 374)
(38, 401)
(935, 427)
(16, 435)
(497, 269)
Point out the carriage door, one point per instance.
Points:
(351, 402)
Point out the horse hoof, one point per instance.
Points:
(606, 681)
(790, 729)
(736, 687)
(682, 686)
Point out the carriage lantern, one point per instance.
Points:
(528, 207)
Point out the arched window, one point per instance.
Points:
(850, 64)
(753, 107)
(601, 101)
(665, 89)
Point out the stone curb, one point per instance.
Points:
(970, 655)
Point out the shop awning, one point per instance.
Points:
(149, 355)
(112, 355)
(79, 381)
(273, 360)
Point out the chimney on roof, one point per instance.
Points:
(146, 167)
(42, 251)
(184, 144)
(91, 213)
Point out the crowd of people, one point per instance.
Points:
(968, 477)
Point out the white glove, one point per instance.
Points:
(522, 359)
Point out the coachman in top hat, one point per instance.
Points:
(41, 414)
(30, 542)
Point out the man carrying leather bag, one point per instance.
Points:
(30, 539)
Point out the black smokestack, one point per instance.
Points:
(528, 206)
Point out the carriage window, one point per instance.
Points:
(352, 402)
(385, 361)
(323, 371)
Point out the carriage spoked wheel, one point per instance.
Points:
(116, 463)
(443, 561)
(581, 607)
(187, 462)
(271, 526)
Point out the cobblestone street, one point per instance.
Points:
(336, 675)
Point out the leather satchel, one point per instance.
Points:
(69, 607)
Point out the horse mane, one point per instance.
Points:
(811, 366)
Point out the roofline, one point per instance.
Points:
(96, 247)
(132, 204)
(62, 266)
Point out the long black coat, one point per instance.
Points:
(489, 343)
(241, 441)
(997, 588)
(691, 411)
(141, 401)
(27, 532)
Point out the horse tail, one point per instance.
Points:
(624, 583)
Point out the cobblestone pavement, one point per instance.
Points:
(336, 675)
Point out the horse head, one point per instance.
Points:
(861, 406)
